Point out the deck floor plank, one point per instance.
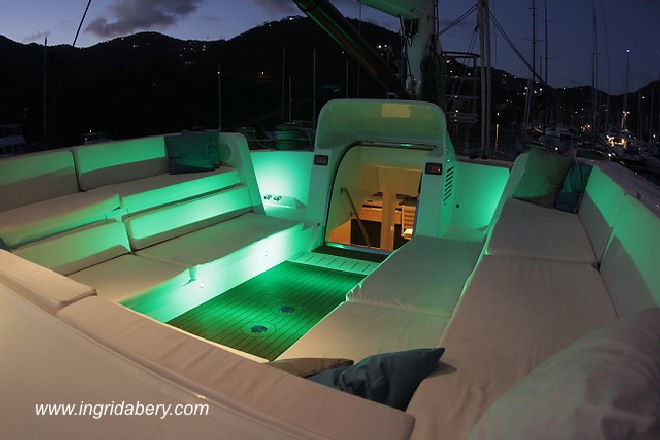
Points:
(283, 303)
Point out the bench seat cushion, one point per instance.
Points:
(357, 330)
(39, 220)
(528, 230)
(142, 194)
(427, 274)
(40, 285)
(131, 275)
(230, 379)
(78, 249)
(217, 241)
(514, 314)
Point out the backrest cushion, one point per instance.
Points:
(516, 172)
(35, 177)
(78, 249)
(116, 162)
(164, 223)
(598, 209)
(41, 286)
(605, 385)
(630, 264)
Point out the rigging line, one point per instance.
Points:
(406, 46)
(457, 20)
(514, 48)
(89, 2)
(607, 47)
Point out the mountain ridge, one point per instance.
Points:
(149, 83)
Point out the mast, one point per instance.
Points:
(594, 79)
(283, 103)
(625, 92)
(45, 124)
(483, 19)
(545, 45)
(219, 98)
(419, 29)
(546, 88)
(533, 41)
(314, 88)
(530, 82)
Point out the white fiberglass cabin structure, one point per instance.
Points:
(549, 319)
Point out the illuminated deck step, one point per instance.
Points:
(351, 265)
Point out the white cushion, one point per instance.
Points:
(599, 207)
(160, 224)
(139, 195)
(604, 386)
(514, 314)
(228, 378)
(630, 264)
(120, 161)
(74, 250)
(40, 285)
(131, 275)
(30, 178)
(528, 230)
(356, 330)
(427, 274)
(219, 240)
(42, 219)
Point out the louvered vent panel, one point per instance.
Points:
(449, 184)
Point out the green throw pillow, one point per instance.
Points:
(543, 176)
(389, 378)
(575, 184)
(193, 152)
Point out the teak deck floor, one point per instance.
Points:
(267, 314)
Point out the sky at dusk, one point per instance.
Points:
(621, 25)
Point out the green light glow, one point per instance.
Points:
(284, 173)
(267, 314)
(605, 194)
(478, 190)
(637, 230)
(169, 219)
(207, 280)
(146, 199)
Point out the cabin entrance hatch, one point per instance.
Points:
(373, 200)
